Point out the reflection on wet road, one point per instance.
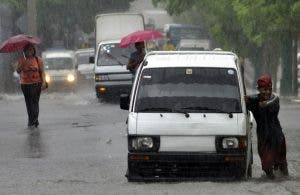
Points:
(34, 147)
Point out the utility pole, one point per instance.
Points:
(31, 17)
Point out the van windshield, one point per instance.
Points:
(112, 55)
(188, 89)
(58, 64)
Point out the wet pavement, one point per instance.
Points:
(80, 147)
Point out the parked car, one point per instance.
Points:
(84, 67)
(60, 68)
(187, 118)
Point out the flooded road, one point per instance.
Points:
(80, 147)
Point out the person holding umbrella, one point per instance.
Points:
(136, 57)
(31, 70)
(270, 138)
(32, 80)
(138, 38)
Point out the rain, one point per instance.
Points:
(107, 127)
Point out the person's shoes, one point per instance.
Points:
(36, 124)
(270, 174)
(31, 127)
(284, 170)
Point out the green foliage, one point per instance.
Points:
(58, 18)
(296, 8)
(237, 24)
(78, 11)
(18, 5)
(176, 7)
(263, 20)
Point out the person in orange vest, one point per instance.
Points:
(32, 80)
(168, 46)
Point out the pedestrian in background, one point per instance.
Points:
(32, 80)
(136, 57)
(270, 138)
(168, 46)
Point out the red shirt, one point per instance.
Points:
(30, 70)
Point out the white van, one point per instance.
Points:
(111, 75)
(60, 68)
(188, 118)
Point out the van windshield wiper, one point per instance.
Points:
(125, 56)
(115, 58)
(203, 108)
(156, 109)
(186, 114)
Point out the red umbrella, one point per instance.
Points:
(139, 36)
(18, 42)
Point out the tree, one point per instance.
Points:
(56, 19)
(260, 29)
(60, 17)
(270, 24)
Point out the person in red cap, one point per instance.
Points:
(270, 138)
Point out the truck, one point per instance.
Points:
(111, 75)
(176, 32)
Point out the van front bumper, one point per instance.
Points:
(184, 166)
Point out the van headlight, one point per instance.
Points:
(143, 143)
(230, 143)
(71, 78)
(237, 143)
(47, 78)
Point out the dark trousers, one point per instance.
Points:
(32, 94)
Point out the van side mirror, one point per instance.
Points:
(91, 59)
(124, 101)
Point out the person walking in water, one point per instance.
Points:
(270, 138)
(32, 80)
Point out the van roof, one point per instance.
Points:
(58, 54)
(217, 59)
(114, 41)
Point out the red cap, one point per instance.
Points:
(264, 81)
